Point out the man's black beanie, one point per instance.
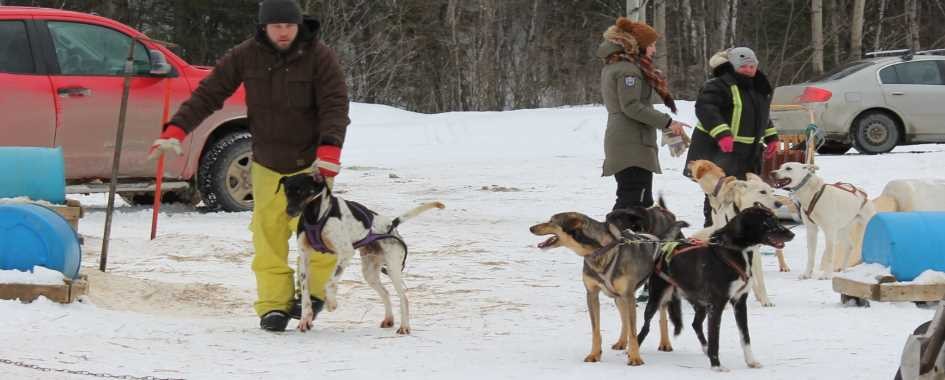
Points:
(279, 12)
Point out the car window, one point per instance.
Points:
(84, 49)
(916, 72)
(843, 71)
(15, 54)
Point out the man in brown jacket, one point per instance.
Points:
(297, 105)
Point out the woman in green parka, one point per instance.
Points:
(628, 81)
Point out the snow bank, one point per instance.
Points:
(930, 277)
(866, 273)
(38, 276)
(24, 200)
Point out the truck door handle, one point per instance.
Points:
(76, 92)
(898, 93)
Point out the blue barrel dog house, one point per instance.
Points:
(37, 173)
(909, 243)
(32, 235)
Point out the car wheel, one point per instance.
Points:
(223, 177)
(833, 147)
(875, 133)
(190, 197)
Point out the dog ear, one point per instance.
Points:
(574, 223)
(675, 230)
(753, 177)
(727, 192)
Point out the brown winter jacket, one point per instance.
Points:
(295, 101)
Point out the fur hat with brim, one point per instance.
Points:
(631, 35)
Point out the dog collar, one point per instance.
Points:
(718, 187)
(803, 182)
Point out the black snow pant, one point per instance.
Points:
(634, 188)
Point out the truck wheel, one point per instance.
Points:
(875, 133)
(223, 178)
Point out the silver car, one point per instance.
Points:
(893, 98)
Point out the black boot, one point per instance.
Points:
(295, 311)
(275, 320)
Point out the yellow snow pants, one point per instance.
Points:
(272, 228)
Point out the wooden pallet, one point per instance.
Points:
(889, 290)
(71, 211)
(65, 293)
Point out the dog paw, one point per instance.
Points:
(720, 369)
(404, 330)
(387, 323)
(785, 269)
(754, 365)
(593, 357)
(823, 276)
(767, 304)
(620, 345)
(805, 276)
(666, 347)
(305, 325)
(634, 361)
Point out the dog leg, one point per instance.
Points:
(652, 304)
(665, 344)
(782, 264)
(308, 316)
(826, 261)
(741, 319)
(621, 343)
(371, 269)
(715, 321)
(758, 279)
(593, 308)
(633, 354)
(395, 272)
(842, 255)
(812, 230)
(697, 319)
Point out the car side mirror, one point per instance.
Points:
(159, 65)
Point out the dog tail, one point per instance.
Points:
(661, 202)
(675, 313)
(416, 211)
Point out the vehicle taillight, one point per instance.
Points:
(814, 95)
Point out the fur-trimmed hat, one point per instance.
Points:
(631, 35)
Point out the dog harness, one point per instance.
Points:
(610, 267)
(672, 249)
(839, 185)
(313, 231)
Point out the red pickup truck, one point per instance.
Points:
(61, 85)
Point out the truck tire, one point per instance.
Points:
(875, 133)
(223, 177)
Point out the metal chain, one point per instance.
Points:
(85, 373)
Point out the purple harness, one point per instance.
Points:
(313, 231)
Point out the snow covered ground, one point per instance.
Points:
(485, 302)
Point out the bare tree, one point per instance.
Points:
(912, 9)
(834, 33)
(817, 34)
(879, 25)
(636, 10)
(734, 15)
(856, 29)
(722, 22)
(659, 22)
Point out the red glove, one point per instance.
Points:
(328, 160)
(771, 149)
(168, 142)
(727, 144)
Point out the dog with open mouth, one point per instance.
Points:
(615, 262)
(711, 273)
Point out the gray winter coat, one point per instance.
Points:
(632, 122)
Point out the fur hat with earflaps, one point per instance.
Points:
(631, 35)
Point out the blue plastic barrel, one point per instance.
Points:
(37, 173)
(909, 243)
(33, 235)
